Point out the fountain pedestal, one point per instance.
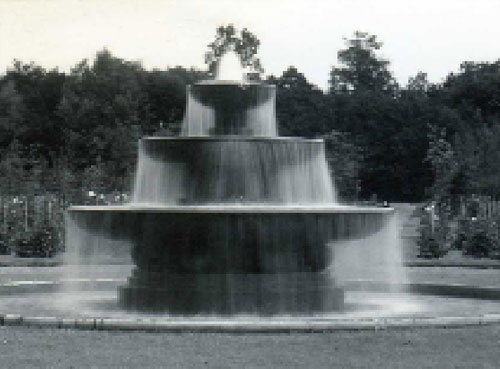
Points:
(229, 294)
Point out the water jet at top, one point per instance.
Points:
(229, 68)
(227, 218)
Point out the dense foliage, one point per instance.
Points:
(77, 132)
(246, 45)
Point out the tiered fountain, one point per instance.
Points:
(228, 218)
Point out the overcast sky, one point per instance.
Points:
(430, 36)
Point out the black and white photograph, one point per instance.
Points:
(249, 184)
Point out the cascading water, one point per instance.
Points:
(220, 108)
(228, 218)
(229, 68)
(192, 170)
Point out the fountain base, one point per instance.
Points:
(230, 294)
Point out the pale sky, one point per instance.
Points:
(422, 35)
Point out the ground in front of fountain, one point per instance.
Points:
(466, 347)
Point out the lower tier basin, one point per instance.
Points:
(222, 259)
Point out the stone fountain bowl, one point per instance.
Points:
(229, 238)
(225, 259)
(232, 96)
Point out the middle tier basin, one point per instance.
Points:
(226, 169)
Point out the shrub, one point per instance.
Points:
(428, 245)
(434, 238)
(429, 248)
(470, 224)
(43, 242)
(481, 237)
(4, 245)
(479, 244)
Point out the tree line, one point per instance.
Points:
(77, 131)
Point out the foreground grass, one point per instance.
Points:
(471, 347)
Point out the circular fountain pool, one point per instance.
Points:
(46, 298)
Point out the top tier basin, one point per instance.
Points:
(216, 108)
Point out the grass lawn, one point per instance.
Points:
(471, 347)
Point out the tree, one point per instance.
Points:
(95, 179)
(23, 171)
(104, 108)
(12, 173)
(362, 69)
(418, 83)
(12, 111)
(467, 107)
(474, 93)
(30, 130)
(478, 160)
(388, 123)
(345, 160)
(246, 45)
(166, 95)
(443, 161)
(40, 91)
(301, 108)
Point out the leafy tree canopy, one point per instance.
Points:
(245, 44)
(362, 69)
(60, 130)
(301, 108)
(475, 92)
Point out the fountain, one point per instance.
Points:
(228, 218)
(232, 228)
